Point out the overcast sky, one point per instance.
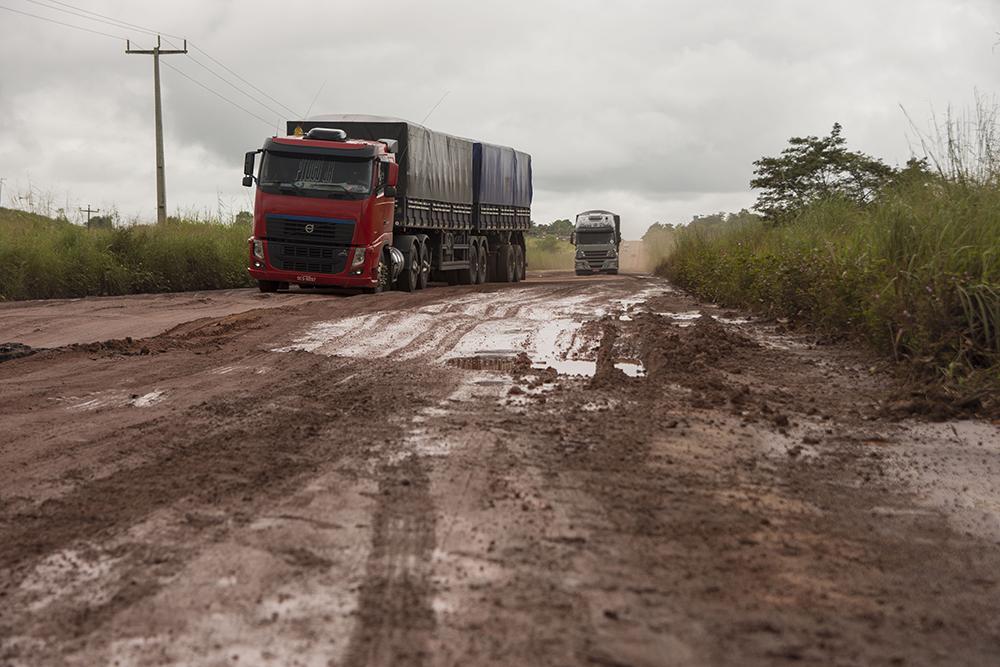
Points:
(652, 109)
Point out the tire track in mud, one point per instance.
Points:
(395, 620)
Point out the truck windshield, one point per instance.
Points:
(315, 175)
(595, 237)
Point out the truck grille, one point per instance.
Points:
(309, 245)
(595, 258)
(308, 258)
(333, 231)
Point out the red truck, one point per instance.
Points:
(371, 203)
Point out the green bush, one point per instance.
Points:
(917, 272)
(42, 258)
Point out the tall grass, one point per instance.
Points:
(549, 252)
(43, 258)
(918, 273)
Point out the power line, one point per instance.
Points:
(121, 38)
(68, 25)
(206, 54)
(83, 14)
(218, 94)
(228, 83)
(119, 24)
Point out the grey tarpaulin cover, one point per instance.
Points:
(433, 165)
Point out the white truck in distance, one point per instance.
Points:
(597, 237)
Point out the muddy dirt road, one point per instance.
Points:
(568, 471)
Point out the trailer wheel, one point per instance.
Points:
(425, 266)
(482, 264)
(518, 263)
(468, 275)
(267, 285)
(505, 263)
(523, 263)
(409, 277)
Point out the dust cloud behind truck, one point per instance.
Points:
(370, 202)
(597, 237)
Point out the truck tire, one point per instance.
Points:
(267, 286)
(468, 275)
(409, 277)
(482, 264)
(612, 272)
(522, 263)
(383, 277)
(505, 264)
(425, 265)
(518, 263)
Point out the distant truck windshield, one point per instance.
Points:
(295, 174)
(588, 237)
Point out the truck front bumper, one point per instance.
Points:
(596, 266)
(360, 276)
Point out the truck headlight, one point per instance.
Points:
(359, 258)
(258, 249)
(579, 254)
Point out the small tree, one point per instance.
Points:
(558, 228)
(814, 168)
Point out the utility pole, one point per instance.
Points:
(88, 211)
(161, 187)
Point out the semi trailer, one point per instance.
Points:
(597, 236)
(371, 203)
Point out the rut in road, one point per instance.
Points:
(446, 492)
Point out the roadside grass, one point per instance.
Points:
(917, 273)
(43, 258)
(549, 252)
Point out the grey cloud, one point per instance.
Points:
(658, 107)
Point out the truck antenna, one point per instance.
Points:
(316, 97)
(435, 107)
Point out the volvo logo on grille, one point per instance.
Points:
(309, 228)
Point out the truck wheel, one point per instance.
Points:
(468, 275)
(409, 277)
(267, 285)
(505, 263)
(482, 264)
(518, 254)
(425, 266)
(383, 278)
(522, 264)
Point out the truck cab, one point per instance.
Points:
(323, 211)
(597, 237)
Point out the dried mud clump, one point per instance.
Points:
(607, 375)
(10, 351)
(669, 350)
(116, 347)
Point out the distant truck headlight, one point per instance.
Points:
(579, 253)
(258, 249)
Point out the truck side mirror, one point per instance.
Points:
(248, 161)
(572, 238)
(392, 177)
(389, 191)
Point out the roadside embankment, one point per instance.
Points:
(917, 273)
(43, 258)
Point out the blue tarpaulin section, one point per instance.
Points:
(501, 176)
